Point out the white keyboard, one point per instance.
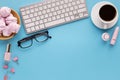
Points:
(51, 13)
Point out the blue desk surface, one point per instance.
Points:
(75, 52)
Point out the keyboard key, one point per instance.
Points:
(22, 9)
(28, 30)
(32, 29)
(35, 14)
(37, 22)
(27, 12)
(67, 18)
(23, 13)
(86, 14)
(37, 27)
(53, 23)
(33, 19)
(37, 18)
(31, 15)
(25, 17)
(28, 21)
(42, 26)
(41, 21)
(82, 5)
(81, 14)
(82, 1)
(30, 25)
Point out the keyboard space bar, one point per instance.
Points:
(53, 23)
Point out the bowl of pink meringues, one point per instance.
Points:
(9, 23)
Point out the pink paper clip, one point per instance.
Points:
(114, 37)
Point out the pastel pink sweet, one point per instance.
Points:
(15, 59)
(12, 70)
(2, 26)
(11, 19)
(1, 31)
(5, 11)
(2, 23)
(6, 31)
(14, 27)
(5, 66)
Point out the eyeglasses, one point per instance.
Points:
(28, 41)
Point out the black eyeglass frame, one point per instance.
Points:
(34, 36)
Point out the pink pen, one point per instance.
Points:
(7, 55)
(114, 37)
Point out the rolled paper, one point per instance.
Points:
(5, 11)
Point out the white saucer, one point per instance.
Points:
(95, 18)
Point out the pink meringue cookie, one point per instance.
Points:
(14, 27)
(2, 23)
(6, 31)
(1, 31)
(0, 34)
(10, 19)
(5, 11)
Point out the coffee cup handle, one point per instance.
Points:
(105, 26)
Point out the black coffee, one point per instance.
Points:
(107, 12)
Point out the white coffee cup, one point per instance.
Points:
(104, 15)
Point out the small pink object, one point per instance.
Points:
(5, 77)
(5, 11)
(15, 59)
(115, 35)
(105, 36)
(10, 19)
(12, 70)
(2, 23)
(5, 66)
(14, 27)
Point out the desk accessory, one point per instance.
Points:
(9, 23)
(28, 41)
(105, 36)
(104, 15)
(51, 13)
(115, 35)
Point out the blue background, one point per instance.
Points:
(75, 52)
